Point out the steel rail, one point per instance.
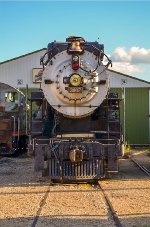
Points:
(111, 209)
(143, 168)
(41, 205)
(108, 203)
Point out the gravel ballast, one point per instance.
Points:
(28, 201)
(129, 192)
(22, 195)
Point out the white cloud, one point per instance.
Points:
(126, 67)
(120, 55)
(133, 55)
(140, 55)
(127, 60)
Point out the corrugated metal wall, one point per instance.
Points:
(21, 69)
(137, 111)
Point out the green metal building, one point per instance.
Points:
(135, 107)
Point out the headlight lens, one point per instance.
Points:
(75, 80)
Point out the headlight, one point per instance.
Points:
(75, 80)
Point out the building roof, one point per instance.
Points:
(131, 77)
(22, 56)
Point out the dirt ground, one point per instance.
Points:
(23, 198)
(26, 201)
(129, 192)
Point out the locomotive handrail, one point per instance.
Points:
(101, 52)
(56, 139)
(90, 106)
(50, 51)
(85, 44)
(14, 126)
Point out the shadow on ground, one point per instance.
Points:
(69, 221)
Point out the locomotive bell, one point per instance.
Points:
(76, 154)
(75, 48)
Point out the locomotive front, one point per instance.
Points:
(75, 81)
(77, 128)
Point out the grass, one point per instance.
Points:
(86, 185)
(148, 151)
(127, 150)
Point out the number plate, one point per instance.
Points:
(75, 89)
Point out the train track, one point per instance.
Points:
(97, 187)
(142, 168)
(42, 203)
(110, 207)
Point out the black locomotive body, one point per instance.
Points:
(75, 132)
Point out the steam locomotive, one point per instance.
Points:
(13, 137)
(75, 131)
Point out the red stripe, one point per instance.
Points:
(15, 133)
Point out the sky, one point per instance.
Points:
(122, 26)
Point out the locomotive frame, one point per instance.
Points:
(76, 148)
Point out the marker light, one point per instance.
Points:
(75, 62)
